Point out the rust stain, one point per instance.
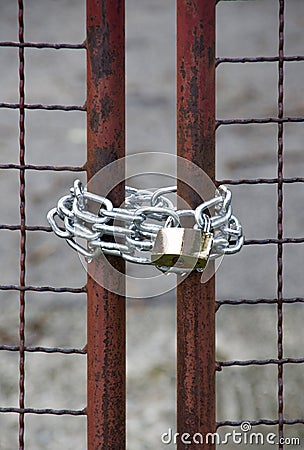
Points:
(107, 105)
(94, 119)
(101, 58)
(198, 42)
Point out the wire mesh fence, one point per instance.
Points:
(286, 113)
(264, 390)
(31, 296)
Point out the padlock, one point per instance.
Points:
(186, 248)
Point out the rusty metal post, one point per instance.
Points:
(196, 142)
(106, 347)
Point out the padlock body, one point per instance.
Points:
(182, 247)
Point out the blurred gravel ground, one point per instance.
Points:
(58, 76)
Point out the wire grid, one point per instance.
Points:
(22, 288)
(280, 120)
(23, 228)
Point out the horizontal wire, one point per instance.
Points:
(258, 362)
(274, 241)
(254, 423)
(259, 59)
(46, 107)
(258, 301)
(15, 287)
(260, 181)
(263, 120)
(218, 182)
(65, 351)
(56, 412)
(27, 227)
(42, 45)
(37, 167)
(247, 242)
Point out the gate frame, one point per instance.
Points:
(106, 321)
(196, 143)
(106, 142)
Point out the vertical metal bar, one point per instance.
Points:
(106, 143)
(22, 225)
(280, 218)
(196, 142)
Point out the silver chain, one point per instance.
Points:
(132, 229)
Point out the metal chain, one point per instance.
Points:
(84, 216)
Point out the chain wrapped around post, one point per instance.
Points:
(132, 230)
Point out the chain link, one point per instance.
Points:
(133, 227)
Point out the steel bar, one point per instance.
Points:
(196, 142)
(106, 142)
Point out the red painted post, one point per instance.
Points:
(196, 142)
(106, 347)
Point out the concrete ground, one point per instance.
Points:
(248, 28)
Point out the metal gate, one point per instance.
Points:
(104, 105)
